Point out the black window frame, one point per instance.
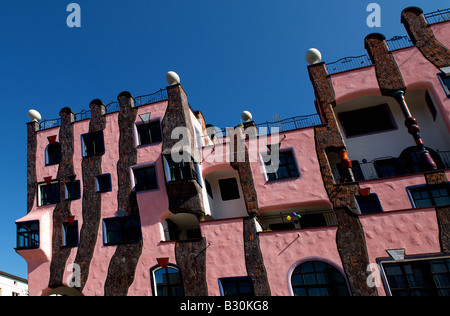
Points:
(53, 154)
(70, 234)
(93, 144)
(429, 190)
(30, 235)
(73, 190)
(183, 170)
(320, 276)
(369, 204)
(445, 82)
(287, 163)
(417, 277)
(103, 183)
(234, 286)
(118, 232)
(53, 189)
(149, 133)
(150, 178)
(167, 287)
(368, 121)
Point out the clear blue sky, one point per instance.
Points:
(231, 55)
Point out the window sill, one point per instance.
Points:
(283, 179)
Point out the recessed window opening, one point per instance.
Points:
(93, 144)
(369, 120)
(149, 133)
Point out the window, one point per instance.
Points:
(48, 193)
(430, 195)
(229, 189)
(240, 286)
(93, 144)
(180, 170)
(369, 120)
(209, 189)
(167, 282)
(149, 133)
(369, 204)
(286, 168)
(53, 154)
(73, 190)
(122, 230)
(28, 235)
(70, 234)
(103, 183)
(445, 81)
(388, 167)
(316, 278)
(419, 277)
(145, 179)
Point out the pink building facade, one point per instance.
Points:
(359, 204)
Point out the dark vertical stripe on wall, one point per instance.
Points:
(122, 267)
(350, 238)
(191, 259)
(32, 129)
(62, 209)
(92, 201)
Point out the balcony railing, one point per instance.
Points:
(386, 167)
(438, 16)
(281, 222)
(112, 107)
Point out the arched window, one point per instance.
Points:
(28, 235)
(316, 278)
(410, 157)
(53, 154)
(167, 281)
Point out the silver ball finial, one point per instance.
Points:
(313, 56)
(246, 116)
(34, 115)
(172, 78)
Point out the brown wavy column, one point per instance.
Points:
(423, 37)
(442, 212)
(122, 267)
(92, 201)
(62, 209)
(350, 237)
(32, 129)
(254, 260)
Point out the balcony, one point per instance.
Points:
(386, 167)
(299, 218)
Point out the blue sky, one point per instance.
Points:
(231, 55)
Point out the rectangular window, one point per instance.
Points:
(180, 170)
(70, 236)
(93, 144)
(430, 195)
(445, 81)
(145, 179)
(73, 190)
(149, 133)
(287, 167)
(229, 189)
(369, 204)
(369, 120)
(419, 277)
(122, 230)
(48, 193)
(240, 286)
(103, 183)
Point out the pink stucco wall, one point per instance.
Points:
(284, 251)
(416, 231)
(225, 255)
